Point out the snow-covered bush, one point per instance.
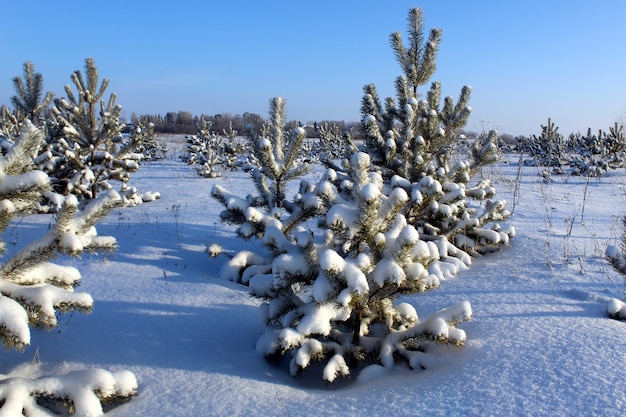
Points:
(34, 290)
(85, 148)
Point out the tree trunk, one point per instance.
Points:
(357, 328)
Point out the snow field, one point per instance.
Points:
(539, 344)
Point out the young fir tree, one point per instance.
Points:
(85, 148)
(29, 100)
(34, 290)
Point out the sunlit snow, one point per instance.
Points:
(540, 342)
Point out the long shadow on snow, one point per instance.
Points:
(180, 255)
(219, 338)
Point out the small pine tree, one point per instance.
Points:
(147, 144)
(85, 148)
(333, 142)
(332, 301)
(34, 290)
(29, 100)
(412, 142)
(548, 149)
(278, 153)
(392, 220)
(206, 151)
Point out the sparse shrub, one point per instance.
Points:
(616, 309)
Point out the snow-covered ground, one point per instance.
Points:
(540, 343)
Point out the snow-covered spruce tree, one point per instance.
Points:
(85, 147)
(332, 300)
(412, 143)
(34, 290)
(279, 154)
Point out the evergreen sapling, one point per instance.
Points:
(332, 299)
(85, 148)
(393, 219)
(34, 290)
(278, 152)
(412, 143)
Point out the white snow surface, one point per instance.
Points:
(539, 344)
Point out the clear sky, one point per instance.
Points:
(525, 60)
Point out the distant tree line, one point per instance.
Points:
(183, 122)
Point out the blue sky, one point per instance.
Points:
(526, 61)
